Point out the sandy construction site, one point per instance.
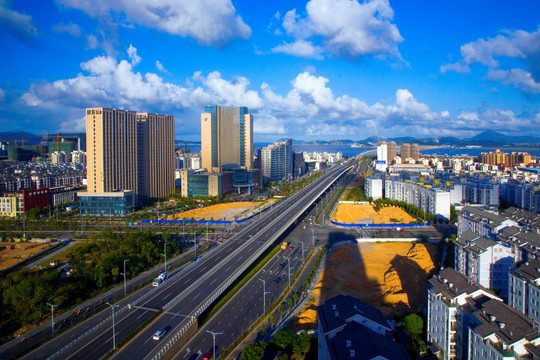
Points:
(366, 214)
(13, 252)
(390, 276)
(225, 211)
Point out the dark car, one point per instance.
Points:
(282, 265)
(277, 280)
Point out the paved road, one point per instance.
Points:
(257, 238)
(247, 305)
(189, 289)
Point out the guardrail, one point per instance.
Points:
(415, 225)
(318, 190)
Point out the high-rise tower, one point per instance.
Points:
(226, 137)
(130, 151)
(111, 146)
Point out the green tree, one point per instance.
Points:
(284, 338)
(254, 351)
(301, 345)
(413, 325)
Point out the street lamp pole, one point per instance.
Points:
(214, 340)
(165, 254)
(52, 317)
(125, 288)
(113, 331)
(264, 294)
(289, 264)
(195, 241)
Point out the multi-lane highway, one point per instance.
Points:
(187, 293)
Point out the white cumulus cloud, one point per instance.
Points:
(348, 29)
(210, 22)
(518, 44)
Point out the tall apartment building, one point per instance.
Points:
(155, 135)
(111, 150)
(277, 161)
(405, 151)
(391, 151)
(299, 164)
(415, 152)
(226, 137)
(129, 151)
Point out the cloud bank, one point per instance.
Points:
(309, 109)
(521, 46)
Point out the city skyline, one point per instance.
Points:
(379, 68)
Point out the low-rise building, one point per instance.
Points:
(115, 203)
(350, 328)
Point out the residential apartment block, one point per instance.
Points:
(277, 161)
(448, 291)
(484, 260)
(430, 199)
(524, 289)
(373, 187)
(128, 151)
(352, 329)
(466, 321)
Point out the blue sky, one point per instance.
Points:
(321, 69)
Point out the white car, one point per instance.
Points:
(158, 334)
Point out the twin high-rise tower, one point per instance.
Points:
(130, 151)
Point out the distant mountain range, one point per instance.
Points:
(486, 139)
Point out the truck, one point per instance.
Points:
(284, 245)
(157, 281)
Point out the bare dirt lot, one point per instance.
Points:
(365, 213)
(390, 276)
(226, 211)
(13, 252)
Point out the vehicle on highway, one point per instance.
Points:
(157, 281)
(158, 335)
(282, 265)
(290, 248)
(277, 280)
(207, 356)
(284, 245)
